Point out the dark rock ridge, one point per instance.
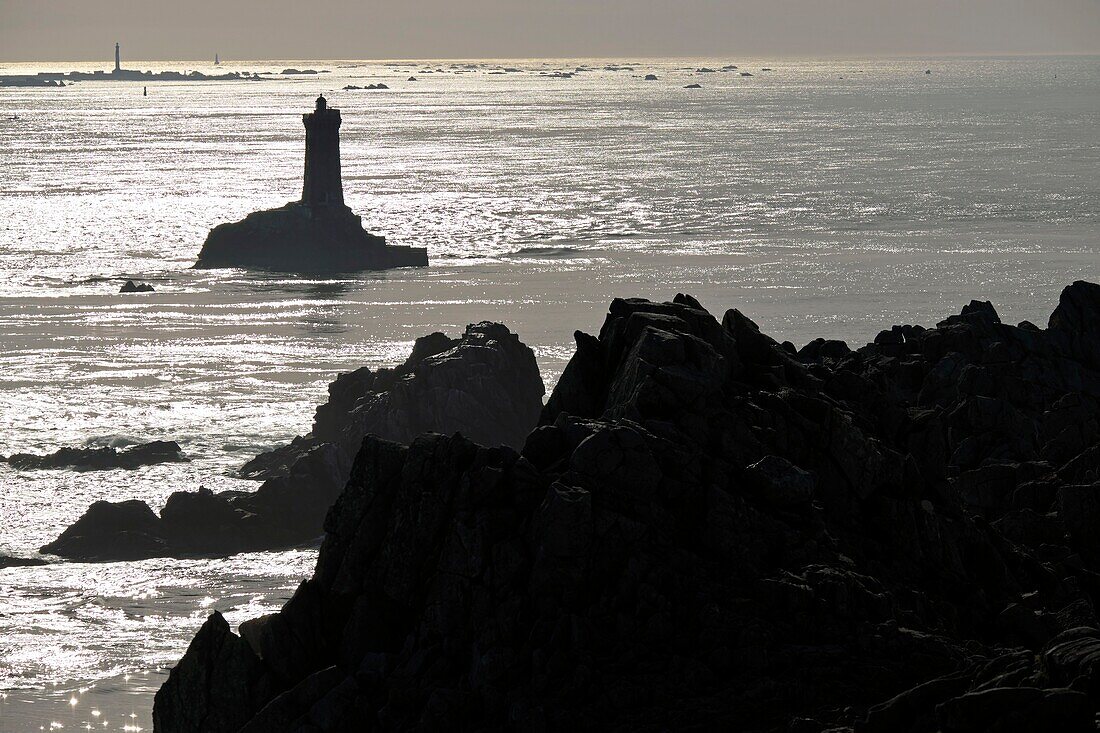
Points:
(712, 531)
(102, 459)
(485, 385)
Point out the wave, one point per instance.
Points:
(548, 252)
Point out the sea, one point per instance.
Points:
(822, 198)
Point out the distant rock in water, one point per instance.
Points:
(708, 532)
(413, 78)
(7, 561)
(131, 287)
(300, 72)
(101, 459)
(485, 385)
(694, 86)
(651, 77)
(317, 234)
(111, 531)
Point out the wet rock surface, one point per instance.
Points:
(103, 458)
(484, 384)
(712, 530)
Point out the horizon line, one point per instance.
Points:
(409, 59)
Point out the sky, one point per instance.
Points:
(86, 30)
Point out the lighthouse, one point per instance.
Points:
(323, 186)
(316, 234)
(118, 60)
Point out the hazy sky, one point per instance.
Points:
(78, 30)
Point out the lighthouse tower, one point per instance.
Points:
(118, 60)
(322, 187)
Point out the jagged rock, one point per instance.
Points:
(217, 686)
(131, 287)
(101, 459)
(708, 531)
(485, 385)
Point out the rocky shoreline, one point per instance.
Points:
(710, 529)
(484, 384)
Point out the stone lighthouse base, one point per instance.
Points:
(304, 239)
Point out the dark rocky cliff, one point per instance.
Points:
(712, 530)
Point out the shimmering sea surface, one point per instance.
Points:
(824, 198)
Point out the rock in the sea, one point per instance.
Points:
(131, 287)
(7, 561)
(104, 458)
(304, 239)
(707, 531)
(485, 385)
(694, 86)
(317, 234)
(111, 531)
(650, 77)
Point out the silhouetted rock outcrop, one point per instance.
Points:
(108, 531)
(485, 385)
(298, 238)
(709, 531)
(101, 459)
(131, 287)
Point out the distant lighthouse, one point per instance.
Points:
(317, 234)
(118, 59)
(322, 186)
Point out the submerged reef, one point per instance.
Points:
(711, 530)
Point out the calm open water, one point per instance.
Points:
(826, 198)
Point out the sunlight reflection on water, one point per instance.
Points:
(819, 206)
